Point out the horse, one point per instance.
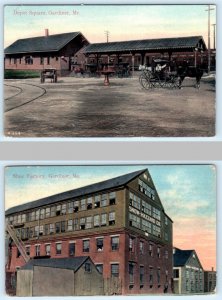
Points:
(189, 71)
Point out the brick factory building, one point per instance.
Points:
(119, 223)
(49, 51)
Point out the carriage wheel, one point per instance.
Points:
(145, 81)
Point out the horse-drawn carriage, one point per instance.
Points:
(50, 73)
(166, 74)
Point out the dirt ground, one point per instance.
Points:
(84, 107)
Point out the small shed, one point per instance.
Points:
(75, 276)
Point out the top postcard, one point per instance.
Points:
(109, 71)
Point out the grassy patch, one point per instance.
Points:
(20, 74)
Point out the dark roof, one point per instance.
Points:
(80, 192)
(180, 257)
(147, 45)
(49, 43)
(73, 263)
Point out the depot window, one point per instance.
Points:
(63, 226)
(131, 244)
(88, 222)
(53, 211)
(150, 249)
(104, 200)
(70, 207)
(141, 247)
(58, 227)
(103, 219)
(58, 209)
(37, 250)
(97, 201)
(158, 276)
(82, 223)
(96, 221)
(112, 218)
(114, 243)
(151, 277)
(28, 60)
(112, 198)
(158, 252)
(70, 225)
(48, 249)
(141, 276)
(76, 206)
(89, 203)
(51, 228)
(72, 248)
(42, 213)
(63, 209)
(47, 212)
(115, 270)
(83, 204)
(176, 273)
(131, 273)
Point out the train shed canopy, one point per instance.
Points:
(179, 44)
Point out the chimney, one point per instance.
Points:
(212, 269)
(46, 32)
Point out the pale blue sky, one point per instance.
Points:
(123, 22)
(187, 192)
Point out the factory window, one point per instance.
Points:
(99, 244)
(46, 229)
(112, 198)
(41, 230)
(70, 207)
(147, 190)
(58, 248)
(88, 267)
(72, 248)
(48, 60)
(96, 221)
(99, 267)
(176, 273)
(88, 222)
(18, 254)
(36, 232)
(75, 224)
(97, 201)
(70, 225)
(141, 247)
(150, 249)
(112, 218)
(63, 209)
(57, 227)
(83, 204)
(158, 252)
(47, 212)
(48, 249)
(42, 213)
(82, 223)
(32, 216)
(58, 209)
(166, 254)
(85, 246)
(134, 201)
(27, 250)
(131, 244)
(151, 277)
(131, 273)
(37, 250)
(19, 219)
(51, 228)
(158, 276)
(114, 243)
(156, 231)
(37, 214)
(63, 226)
(156, 213)
(104, 200)
(76, 206)
(134, 220)
(89, 203)
(103, 219)
(146, 208)
(115, 270)
(41, 60)
(141, 276)
(146, 226)
(31, 230)
(53, 209)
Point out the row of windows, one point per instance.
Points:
(145, 207)
(114, 246)
(70, 225)
(143, 248)
(65, 208)
(146, 189)
(29, 60)
(144, 225)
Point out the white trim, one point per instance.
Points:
(47, 244)
(99, 237)
(72, 242)
(115, 235)
(114, 262)
(87, 239)
(37, 244)
(58, 242)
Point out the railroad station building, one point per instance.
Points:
(43, 52)
(119, 223)
(188, 272)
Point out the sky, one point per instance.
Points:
(187, 192)
(124, 22)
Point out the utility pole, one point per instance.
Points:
(209, 9)
(107, 35)
(214, 25)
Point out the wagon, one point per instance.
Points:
(48, 73)
(160, 74)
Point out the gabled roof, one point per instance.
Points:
(49, 43)
(73, 263)
(80, 192)
(182, 43)
(180, 257)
